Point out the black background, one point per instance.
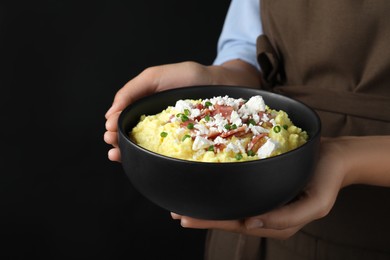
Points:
(61, 65)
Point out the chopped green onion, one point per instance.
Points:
(184, 118)
(227, 127)
(163, 134)
(234, 126)
(207, 118)
(238, 156)
(285, 127)
(208, 104)
(190, 126)
(252, 122)
(277, 129)
(187, 112)
(211, 148)
(250, 153)
(185, 137)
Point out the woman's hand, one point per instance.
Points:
(158, 78)
(343, 161)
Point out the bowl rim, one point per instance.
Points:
(122, 133)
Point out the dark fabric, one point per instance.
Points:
(332, 55)
(335, 58)
(231, 246)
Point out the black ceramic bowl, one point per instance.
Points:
(218, 191)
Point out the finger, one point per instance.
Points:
(111, 138)
(189, 222)
(175, 216)
(112, 122)
(230, 225)
(273, 233)
(114, 155)
(121, 100)
(235, 226)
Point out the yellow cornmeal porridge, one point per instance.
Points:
(219, 129)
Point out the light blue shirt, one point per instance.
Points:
(238, 37)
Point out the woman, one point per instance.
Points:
(333, 56)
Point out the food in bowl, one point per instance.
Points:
(218, 191)
(219, 129)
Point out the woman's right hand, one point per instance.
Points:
(159, 78)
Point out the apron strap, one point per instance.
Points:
(348, 103)
(269, 61)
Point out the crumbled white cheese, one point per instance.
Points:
(266, 149)
(220, 140)
(232, 147)
(181, 105)
(201, 143)
(202, 129)
(213, 129)
(195, 112)
(256, 129)
(241, 144)
(256, 118)
(265, 118)
(253, 106)
(236, 147)
(220, 123)
(235, 118)
(180, 131)
(226, 101)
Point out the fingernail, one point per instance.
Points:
(254, 223)
(175, 216)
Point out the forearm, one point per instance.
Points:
(236, 72)
(366, 160)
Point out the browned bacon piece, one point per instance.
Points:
(237, 132)
(225, 111)
(257, 142)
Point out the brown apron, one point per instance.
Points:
(333, 55)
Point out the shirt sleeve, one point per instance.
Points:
(241, 28)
